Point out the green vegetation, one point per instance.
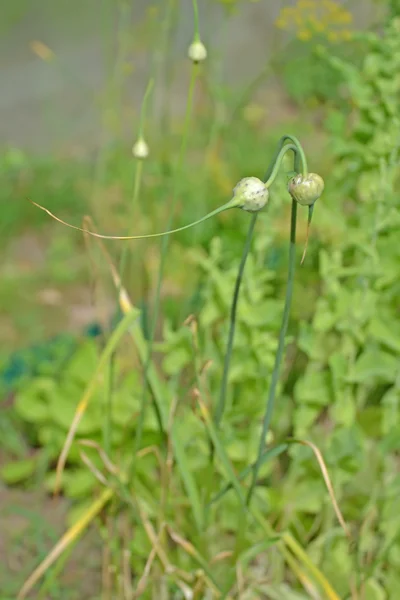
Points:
(152, 425)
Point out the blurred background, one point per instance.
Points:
(73, 77)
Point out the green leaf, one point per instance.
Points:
(32, 402)
(18, 471)
(370, 421)
(344, 410)
(79, 483)
(62, 411)
(373, 590)
(188, 479)
(307, 496)
(304, 418)
(313, 388)
(374, 366)
(81, 366)
(176, 360)
(387, 334)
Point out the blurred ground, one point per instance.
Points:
(30, 522)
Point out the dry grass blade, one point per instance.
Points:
(68, 538)
(303, 558)
(93, 469)
(327, 480)
(143, 581)
(194, 553)
(302, 577)
(105, 459)
(112, 343)
(81, 229)
(136, 333)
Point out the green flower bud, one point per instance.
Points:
(250, 194)
(197, 51)
(306, 189)
(140, 149)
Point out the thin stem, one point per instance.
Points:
(196, 20)
(231, 204)
(273, 172)
(143, 110)
(138, 171)
(301, 155)
(107, 428)
(136, 189)
(164, 249)
(232, 326)
(270, 175)
(279, 354)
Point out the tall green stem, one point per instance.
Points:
(279, 354)
(164, 249)
(196, 19)
(232, 325)
(138, 173)
(269, 177)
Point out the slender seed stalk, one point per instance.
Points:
(164, 249)
(232, 325)
(300, 157)
(138, 173)
(269, 178)
(136, 189)
(108, 417)
(279, 353)
(196, 19)
(231, 204)
(276, 165)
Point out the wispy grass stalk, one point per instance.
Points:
(164, 246)
(138, 176)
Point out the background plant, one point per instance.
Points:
(339, 387)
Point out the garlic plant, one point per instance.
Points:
(251, 194)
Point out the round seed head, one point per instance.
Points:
(306, 189)
(251, 194)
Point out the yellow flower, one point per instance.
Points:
(304, 35)
(298, 19)
(347, 34)
(333, 36)
(288, 12)
(316, 24)
(330, 5)
(306, 4)
(281, 23)
(41, 50)
(344, 17)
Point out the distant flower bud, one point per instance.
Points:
(197, 51)
(251, 194)
(306, 189)
(140, 149)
